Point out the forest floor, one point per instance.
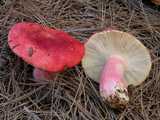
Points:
(74, 96)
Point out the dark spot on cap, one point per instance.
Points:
(30, 52)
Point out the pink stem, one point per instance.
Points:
(112, 75)
(42, 75)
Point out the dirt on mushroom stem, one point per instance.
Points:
(113, 87)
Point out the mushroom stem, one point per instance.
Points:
(112, 86)
(42, 75)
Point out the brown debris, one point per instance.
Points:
(157, 2)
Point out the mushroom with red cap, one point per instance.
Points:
(48, 50)
(116, 59)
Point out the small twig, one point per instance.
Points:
(31, 113)
(80, 29)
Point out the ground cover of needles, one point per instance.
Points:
(72, 95)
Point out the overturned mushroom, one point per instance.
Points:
(48, 50)
(116, 59)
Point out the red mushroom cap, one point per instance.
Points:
(45, 48)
